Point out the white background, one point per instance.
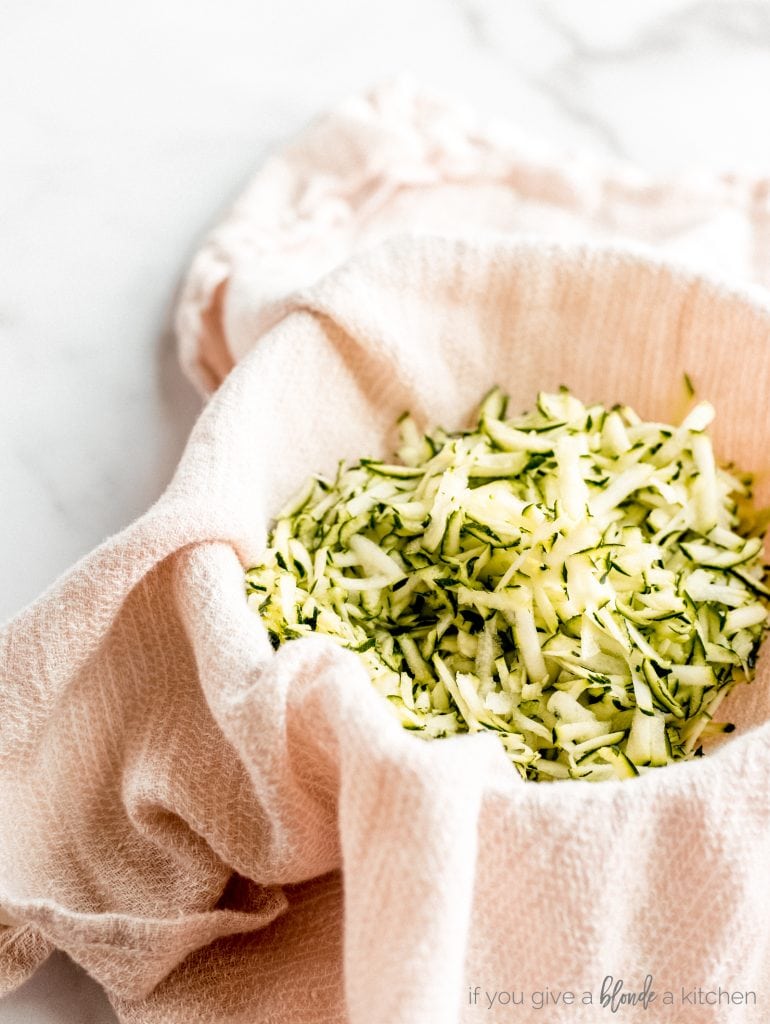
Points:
(125, 129)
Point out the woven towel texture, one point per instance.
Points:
(403, 159)
(219, 832)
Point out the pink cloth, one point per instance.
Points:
(403, 160)
(218, 832)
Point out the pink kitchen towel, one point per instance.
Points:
(404, 160)
(220, 832)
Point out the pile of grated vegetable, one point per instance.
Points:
(586, 585)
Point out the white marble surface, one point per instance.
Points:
(125, 130)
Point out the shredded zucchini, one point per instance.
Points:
(586, 585)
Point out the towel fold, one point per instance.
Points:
(220, 832)
(403, 159)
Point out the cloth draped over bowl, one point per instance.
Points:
(218, 831)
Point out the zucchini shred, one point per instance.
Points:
(586, 585)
